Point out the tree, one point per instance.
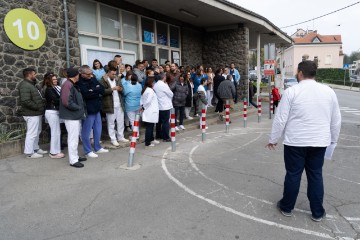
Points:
(354, 56)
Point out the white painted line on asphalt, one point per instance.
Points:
(343, 179)
(358, 114)
(228, 209)
(353, 111)
(348, 109)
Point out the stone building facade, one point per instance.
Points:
(215, 49)
(51, 57)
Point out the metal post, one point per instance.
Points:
(259, 111)
(133, 141)
(67, 44)
(245, 112)
(173, 132)
(203, 123)
(227, 116)
(270, 78)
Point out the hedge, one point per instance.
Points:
(333, 75)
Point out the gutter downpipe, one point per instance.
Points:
(67, 35)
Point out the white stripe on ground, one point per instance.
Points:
(230, 210)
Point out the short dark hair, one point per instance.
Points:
(27, 71)
(117, 56)
(154, 59)
(110, 68)
(308, 68)
(202, 80)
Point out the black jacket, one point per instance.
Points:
(52, 99)
(92, 92)
(216, 81)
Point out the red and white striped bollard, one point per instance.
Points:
(203, 122)
(227, 116)
(259, 110)
(134, 137)
(245, 112)
(172, 131)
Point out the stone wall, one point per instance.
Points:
(191, 47)
(222, 48)
(50, 57)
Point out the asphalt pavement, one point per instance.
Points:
(223, 188)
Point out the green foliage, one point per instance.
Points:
(333, 76)
(7, 135)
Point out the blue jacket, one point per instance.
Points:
(196, 80)
(236, 73)
(92, 92)
(132, 95)
(98, 73)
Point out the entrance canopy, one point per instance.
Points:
(214, 15)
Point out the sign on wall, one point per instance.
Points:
(269, 67)
(25, 29)
(104, 55)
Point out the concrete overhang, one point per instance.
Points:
(213, 15)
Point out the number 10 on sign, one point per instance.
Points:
(25, 29)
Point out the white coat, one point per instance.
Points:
(149, 102)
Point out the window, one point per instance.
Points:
(316, 40)
(110, 43)
(328, 60)
(93, 41)
(163, 55)
(147, 30)
(130, 29)
(110, 25)
(148, 52)
(162, 36)
(86, 16)
(174, 37)
(132, 47)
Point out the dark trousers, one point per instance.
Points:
(235, 98)
(220, 104)
(252, 103)
(149, 133)
(163, 126)
(194, 103)
(275, 105)
(181, 115)
(296, 160)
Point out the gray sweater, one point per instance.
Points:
(226, 90)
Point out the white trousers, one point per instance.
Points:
(118, 115)
(209, 95)
(33, 130)
(187, 111)
(52, 116)
(131, 116)
(73, 128)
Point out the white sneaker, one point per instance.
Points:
(182, 127)
(123, 140)
(40, 151)
(102, 150)
(151, 145)
(92, 155)
(115, 143)
(177, 129)
(190, 118)
(155, 142)
(35, 155)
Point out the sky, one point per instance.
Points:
(286, 12)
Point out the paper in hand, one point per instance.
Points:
(329, 151)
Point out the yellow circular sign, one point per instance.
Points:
(25, 29)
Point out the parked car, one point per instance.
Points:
(264, 79)
(289, 82)
(252, 75)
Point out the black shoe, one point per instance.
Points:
(167, 140)
(286, 214)
(319, 218)
(82, 159)
(77, 165)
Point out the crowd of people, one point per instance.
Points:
(115, 94)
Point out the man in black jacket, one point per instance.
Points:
(216, 81)
(92, 92)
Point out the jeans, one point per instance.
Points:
(52, 116)
(181, 115)
(163, 126)
(252, 103)
(296, 160)
(73, 129)
(220, 104)
(235, 98)
(118, 115)
(92, 122)
(149, 133)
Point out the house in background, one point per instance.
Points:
(326, 50)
